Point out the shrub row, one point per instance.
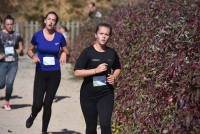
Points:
(159, 46)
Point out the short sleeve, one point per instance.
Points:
(81, 62)
(116, 64)
(19, 38)
(63, 41)
(34, 40)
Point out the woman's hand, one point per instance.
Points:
(111, 79)
(101, 68)
(35, 59)
(2, 56)
(63, 58)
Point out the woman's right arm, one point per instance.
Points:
(81, 65)
(89, 72)
(31, 54)
(84, 72)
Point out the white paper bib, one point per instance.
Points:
(99, 81)
(48, 61)
(9, 50)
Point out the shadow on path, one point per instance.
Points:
(17, 106)
(59, 98)
(65, 131)
(12, 97)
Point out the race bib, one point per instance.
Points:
(99, 81)
(10, 58)
(9, 51)
(48, 61)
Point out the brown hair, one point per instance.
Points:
(51, 12)
(104, 25)
(8, 17)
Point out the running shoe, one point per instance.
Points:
(29, 121)
(7, 107)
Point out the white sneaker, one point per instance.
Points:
(7, 107)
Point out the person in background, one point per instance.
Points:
(50, 52)
(93, 12)
(64, 31)
(11, 45)
(99, 65)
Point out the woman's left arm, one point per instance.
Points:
(63, 56)
(20, 48)
(112, 77)
(116, 70)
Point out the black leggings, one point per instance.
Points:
(45, 88)
(101, 108)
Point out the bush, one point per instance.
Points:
(159, 87)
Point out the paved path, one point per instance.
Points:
(66, 113)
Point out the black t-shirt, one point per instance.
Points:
(90, 59)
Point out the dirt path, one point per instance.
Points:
(66, 113)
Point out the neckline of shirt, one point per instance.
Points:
(99, 51)
(46, 39)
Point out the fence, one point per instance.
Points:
(26, 29)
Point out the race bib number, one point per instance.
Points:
(9, 51)
(99, 81)
(9, 58)
(48, 61)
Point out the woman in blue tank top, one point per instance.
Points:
(47, 50)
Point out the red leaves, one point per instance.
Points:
(163, 57)
(159, 47)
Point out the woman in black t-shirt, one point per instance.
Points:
(99, 66)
